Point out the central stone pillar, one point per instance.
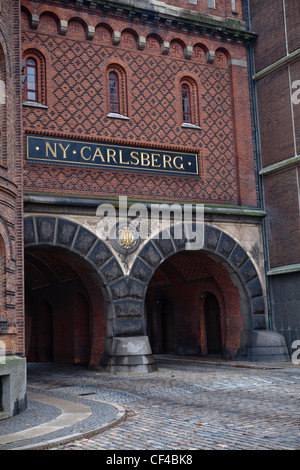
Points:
(129, 354)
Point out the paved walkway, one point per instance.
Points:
(188, 404)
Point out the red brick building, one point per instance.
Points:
(277, 82)
(149, 101)
(12, 350)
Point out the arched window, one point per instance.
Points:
(189, 103)
(34, 89)
(117, 105)
(32, 80)
(186, 103)
(114, 101)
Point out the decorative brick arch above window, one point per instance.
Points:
(189, 102)
(117, 105)
(34, 90)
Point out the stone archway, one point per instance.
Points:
(62, 251)
(126, 345)
(123, 295)
(223, 248)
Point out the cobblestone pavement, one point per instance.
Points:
(186, 406)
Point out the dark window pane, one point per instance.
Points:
(31, 80)
(114, 92)
(185, 94)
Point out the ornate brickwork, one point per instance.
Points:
(153, 55)
(76, 95)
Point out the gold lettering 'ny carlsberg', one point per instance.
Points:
(102, 155)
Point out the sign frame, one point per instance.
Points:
(109, 156)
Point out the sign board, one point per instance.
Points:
(89, 154)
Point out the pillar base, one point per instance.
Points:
(268, 346)
(13, 386)
(129, 354)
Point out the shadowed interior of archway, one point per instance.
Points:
(65, 319)
(177, 322)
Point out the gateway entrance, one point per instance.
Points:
(64, 308)
(189, 301)
(212, 324)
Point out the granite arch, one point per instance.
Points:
(43, 231)
(224, 249)
(127, 346)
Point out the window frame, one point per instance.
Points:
(121, 101)
(34, 90)
(186, 102)
(189, 85)
(211, 3)
(40, 100)
(114, 96)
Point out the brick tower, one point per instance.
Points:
(12, 345)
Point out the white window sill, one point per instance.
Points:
(190, 126)
(118, 116)
(34, 104)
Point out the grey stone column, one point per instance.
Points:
(127, 347)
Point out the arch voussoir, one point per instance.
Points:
(67, 234)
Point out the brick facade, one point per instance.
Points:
(153, 49)
(76, 97)
(12, 364)
(11, 212)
